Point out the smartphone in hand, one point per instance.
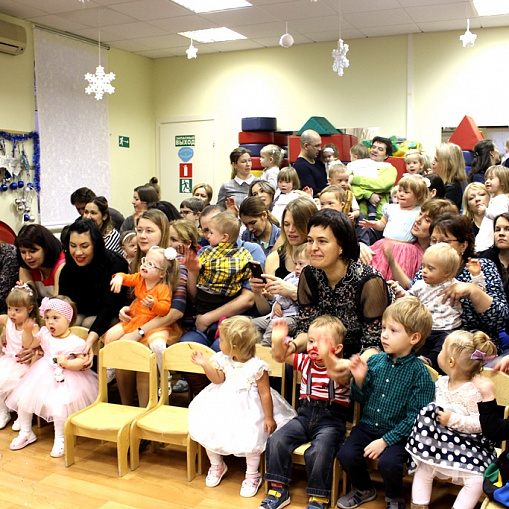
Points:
(257, 271)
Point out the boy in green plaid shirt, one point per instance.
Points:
(393, 386)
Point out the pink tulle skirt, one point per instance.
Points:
(408, 255)
(11, 373)
(39, 392)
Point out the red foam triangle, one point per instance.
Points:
(467, 134)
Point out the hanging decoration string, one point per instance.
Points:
(339, 54)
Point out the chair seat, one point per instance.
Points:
(107, 417)
(302, 449)
(165, 419)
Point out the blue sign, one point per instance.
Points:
(186, 153)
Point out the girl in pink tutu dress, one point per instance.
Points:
(54, 387)
(238, 411)
(21, 305)
(396, 223)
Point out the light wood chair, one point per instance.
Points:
(106, 421)
(277, 369)
(435, 375)
(82, 332)
(488, 504)
(168, 424)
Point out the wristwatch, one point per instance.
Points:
(141, 332)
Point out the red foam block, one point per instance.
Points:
(467, 134)
(249, 137)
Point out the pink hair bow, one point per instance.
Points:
(481, 356)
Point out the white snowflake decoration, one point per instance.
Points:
(191, 51)
(340, 60)
(99, 83)
(468, 38)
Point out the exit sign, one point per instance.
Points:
(123, 141)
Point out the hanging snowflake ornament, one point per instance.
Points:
(192, 52)
(99, 83)
(339, 56)
(468, 38)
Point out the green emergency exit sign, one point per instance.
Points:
(123, 141)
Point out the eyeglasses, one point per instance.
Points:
(434, 241)
(150, 264)
(185, 212)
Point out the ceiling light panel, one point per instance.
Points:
(213, 35)
(200, 6)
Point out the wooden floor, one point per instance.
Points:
(31, 478)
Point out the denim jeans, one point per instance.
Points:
(317, 422)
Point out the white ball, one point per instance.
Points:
(286, 41)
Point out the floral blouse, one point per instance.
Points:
(493, 320)
(358, 300)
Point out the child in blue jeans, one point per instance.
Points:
(392, 386)
(321, 418)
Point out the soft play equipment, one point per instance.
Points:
(319, 124)
(259, 124)
(467, 134)
(248, 137)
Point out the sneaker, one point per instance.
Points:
(110, 374)
(181, 386)
(16, 426)
(277, 498)
(22, 440)
(5, 417)
(58, 448)
(215, 474)
(250, 485)
(355, 498)
(394, 503)
(316, 504)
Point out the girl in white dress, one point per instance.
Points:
(54, 387)
(238, 411)
(21, 305)
(446, 441)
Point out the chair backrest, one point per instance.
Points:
(177, 357)
(277, 369)
(435, 375)
(82, 332)
(128, 355)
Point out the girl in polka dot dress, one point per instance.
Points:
(446, 441)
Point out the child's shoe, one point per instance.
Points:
(394, 503)
(58, 448)
(250, 485)
(277, 498)
(5, 417)
(16, 426)
(215, 474)
(181, 386)
(317, 503)
(22, 440)
(355, 498)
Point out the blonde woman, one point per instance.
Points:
(475, 201)
(450, 165)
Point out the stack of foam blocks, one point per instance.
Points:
(257, 132)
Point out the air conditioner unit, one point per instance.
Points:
(13, 38)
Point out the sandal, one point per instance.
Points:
(215, 474)
(250, 485)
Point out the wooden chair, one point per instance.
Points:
(168, 424)
(82, 332)
(106, 421)
(488, 504)
(277, 369)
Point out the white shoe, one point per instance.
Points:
(58, 448)
(22, 440)
(110, 374)
(215, 474)
(16, 426)
(5, 417)
(250, 485)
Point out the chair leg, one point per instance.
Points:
(192, 451)
(134, 448)
(122, 448)
(69, 442)
(336, 476)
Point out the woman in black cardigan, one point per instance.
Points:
(86, 279)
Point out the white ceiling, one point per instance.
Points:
(149, 27)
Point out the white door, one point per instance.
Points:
(186, 157)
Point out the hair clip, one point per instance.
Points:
(23, 286)
(481, 356)
(170, 253)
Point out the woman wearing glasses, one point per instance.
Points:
(487, 310)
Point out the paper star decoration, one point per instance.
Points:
(468, 38)
(340, 60)
(191, 51)
(99, 83)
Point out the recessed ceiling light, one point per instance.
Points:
(211, 5)
(491, 7)
(213, 35)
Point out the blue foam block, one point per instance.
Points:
(259, 124)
